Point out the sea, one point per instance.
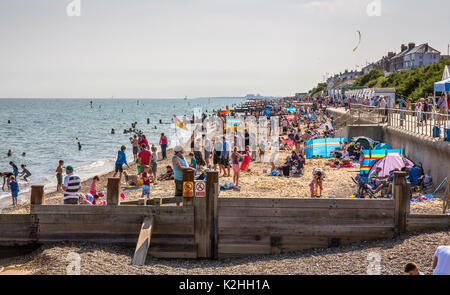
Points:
(48, 130)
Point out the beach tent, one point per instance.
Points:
(444, 85)
(382, 146)
(323, 147)
(365, 142)
(391, 162)
(373, 156)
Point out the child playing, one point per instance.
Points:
(93, 190)
(193, 163)
(25, 173)
(316, 185)
(146, 177)
(59, 175)
(14, 190)
(235, 164)
(168, 175)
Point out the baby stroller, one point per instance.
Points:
(364, 190)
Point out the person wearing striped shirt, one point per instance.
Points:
(71, 186)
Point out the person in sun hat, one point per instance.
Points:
(71, 186)
(179, 164)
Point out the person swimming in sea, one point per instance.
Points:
(9, 153)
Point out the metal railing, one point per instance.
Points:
(430, 124)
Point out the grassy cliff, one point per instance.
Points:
(413, 84)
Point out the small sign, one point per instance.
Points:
(200, 189)
(188, 189)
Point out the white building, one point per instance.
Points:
(421, 56)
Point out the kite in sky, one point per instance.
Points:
(359, 41)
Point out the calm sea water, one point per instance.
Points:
(46, 130)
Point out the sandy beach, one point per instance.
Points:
(254, 183)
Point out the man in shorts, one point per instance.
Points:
(217, 157)
(135, 142)
(225, 158)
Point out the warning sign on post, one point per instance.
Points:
(188, 189)
(200, 189)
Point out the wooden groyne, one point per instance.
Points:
(212, 227)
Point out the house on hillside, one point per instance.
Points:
(421, 56)
(398, 61)
(368, 68)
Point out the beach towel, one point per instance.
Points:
(424, 198)
(342, 166)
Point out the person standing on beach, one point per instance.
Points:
(179, 164)
(144, 157)
(71, 186)
(217, 156)
(121, 159)
(59, 172)
(79, 146)
(163, 144)
(14, 190)
(93, 190)
(441, 263)
(145, 142)
(225, 155)
(207, 149)
(135, 142)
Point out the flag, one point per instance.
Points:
(179, 123)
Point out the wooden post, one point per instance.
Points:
(205, 218)
(212, 194)
(113, 191)
(402, 199)
(188, 187)
(201, 230)
(37, 195)
(145, 236)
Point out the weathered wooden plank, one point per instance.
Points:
(201, 228)
(305, 203)
(17, 218)
(112, 219)
(113, 228)
(12, 227)
(172, 251)
(305, 212)
(112, 209)
(143, 243)
(244, 249)
(303, 230)
(299, 221)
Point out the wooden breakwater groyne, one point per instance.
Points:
(212, 227)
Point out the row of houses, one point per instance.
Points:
(409, 57)
(345, 77)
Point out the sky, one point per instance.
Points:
(200, 48)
